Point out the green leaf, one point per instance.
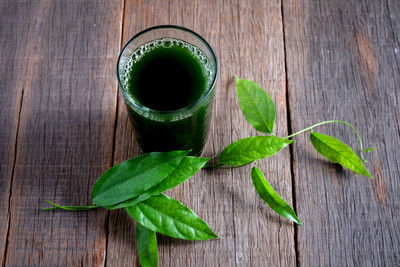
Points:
(134, 176)
(186, 169)
(169, 217)
(338, 152)
(268, 194)
(249, 149)
(147, 246)
(257, 106)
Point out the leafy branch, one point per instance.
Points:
(138, 184)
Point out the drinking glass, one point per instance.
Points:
(166, 130)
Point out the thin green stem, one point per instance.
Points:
(333, 121)
(213, 165)
(69, 208)
(52, 208)
(220, 166)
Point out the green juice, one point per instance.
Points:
(169, 79)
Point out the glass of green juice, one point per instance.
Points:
(167, 76)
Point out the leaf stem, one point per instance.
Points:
(213, 165)
(220, 166)
(333, 121)
(69, 208)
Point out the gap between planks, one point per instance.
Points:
(115, 131)
(12, 178)
(290, 131)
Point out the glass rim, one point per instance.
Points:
(135, 103)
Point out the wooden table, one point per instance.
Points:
(63, 123)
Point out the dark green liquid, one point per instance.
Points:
(167, 79)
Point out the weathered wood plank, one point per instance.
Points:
(66, 66)
(261, 58)
(248, 40)
(343, 63)
(11, 49)
(121, 247)
(175, 252)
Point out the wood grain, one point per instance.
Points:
(343, 63)
(121, 248)
(11, 87)
(248, 40)
(64, 62)
(63, 124)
